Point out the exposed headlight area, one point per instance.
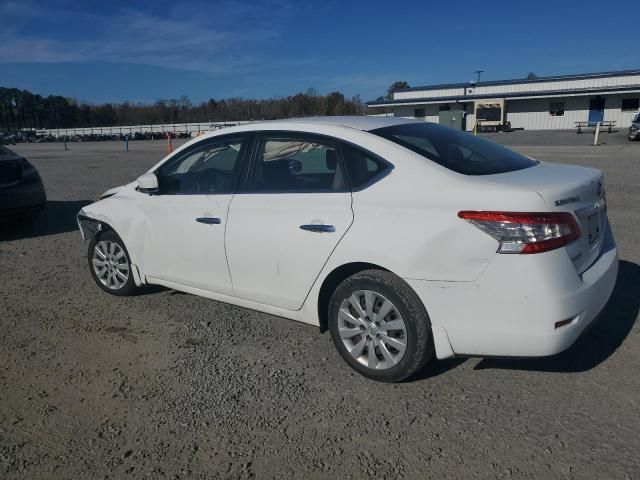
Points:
(525, 232)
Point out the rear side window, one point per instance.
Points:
(361, 167)
(296, 164)
(456, 150)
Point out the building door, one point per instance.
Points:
(596, 110)
(451, 118)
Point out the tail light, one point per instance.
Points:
(519, 232)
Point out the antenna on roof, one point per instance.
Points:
(478, 73)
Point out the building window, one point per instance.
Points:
(445, 108)
(556, 109)
(630, 104)
(419, 113)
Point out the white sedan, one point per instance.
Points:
(407, 240)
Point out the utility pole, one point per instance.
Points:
(478, 73)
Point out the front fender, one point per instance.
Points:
(91, 224)
(121, 214)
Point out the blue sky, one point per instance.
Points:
(101, 51)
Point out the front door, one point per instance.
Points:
(596, 110)
(293, 212)
(186, 220)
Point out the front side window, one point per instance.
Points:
(456, 150)
(556, 109)
(296, 165)
(210, 167)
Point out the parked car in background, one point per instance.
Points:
(7, 139)
(408, 240)
(22, 194)
(634, 129)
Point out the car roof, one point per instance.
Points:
(364, 123)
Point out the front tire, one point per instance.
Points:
(379, 326)
(110, 264)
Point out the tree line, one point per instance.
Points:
(22, 109)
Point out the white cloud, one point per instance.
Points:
(213, 40)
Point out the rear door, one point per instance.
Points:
(283, 226)
(596, 110)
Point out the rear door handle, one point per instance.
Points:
(318, 228)
(209, 220)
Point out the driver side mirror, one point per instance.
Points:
(148, 183)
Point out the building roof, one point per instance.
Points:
(515, 81)
(512, 95)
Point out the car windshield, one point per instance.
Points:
(456, 150)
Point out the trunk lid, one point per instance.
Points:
(567, 188)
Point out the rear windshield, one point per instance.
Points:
(456, 150)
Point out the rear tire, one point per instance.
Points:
(110, 264)
(379, 326)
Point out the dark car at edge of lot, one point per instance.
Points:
(22, 194)
(634, 129)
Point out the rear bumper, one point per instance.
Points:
(513, 308)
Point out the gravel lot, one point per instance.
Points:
(168, 385)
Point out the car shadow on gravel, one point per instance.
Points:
(597, 343)
(435, 368)
(58, 216)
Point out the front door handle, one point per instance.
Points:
(318, 228)
(209, 220)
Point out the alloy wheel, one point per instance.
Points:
(110, 264)
(372, 330)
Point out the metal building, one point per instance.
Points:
(544, 103)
